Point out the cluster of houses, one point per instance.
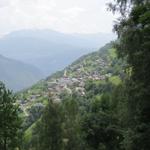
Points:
(77, 82)
(67, 83)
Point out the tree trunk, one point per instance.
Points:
(5, 144)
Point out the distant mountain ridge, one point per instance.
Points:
(87, 40)
(49, 50)
(17, 75)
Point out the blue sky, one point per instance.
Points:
(69, 16)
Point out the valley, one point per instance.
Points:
(67, 83)
(18, 75)
(47, 49)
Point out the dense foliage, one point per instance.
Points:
(111, 112)
(10, 122)
(133, 31)
(116, 116)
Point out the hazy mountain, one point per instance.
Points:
(17, 75)
(50, 50)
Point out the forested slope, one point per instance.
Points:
(86, 80)
(100, 102)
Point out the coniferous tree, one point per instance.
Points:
(10, 121)
(49, 128)
(70, 124)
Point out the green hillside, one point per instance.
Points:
(97, 67)
(99, 102)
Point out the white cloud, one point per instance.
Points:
(4, 3)
(62, 15)
(73, 12)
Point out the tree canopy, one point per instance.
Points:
(10, 122)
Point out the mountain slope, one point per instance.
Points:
(86, 79)
(17, 75)
(48, 50)
(97, 66)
